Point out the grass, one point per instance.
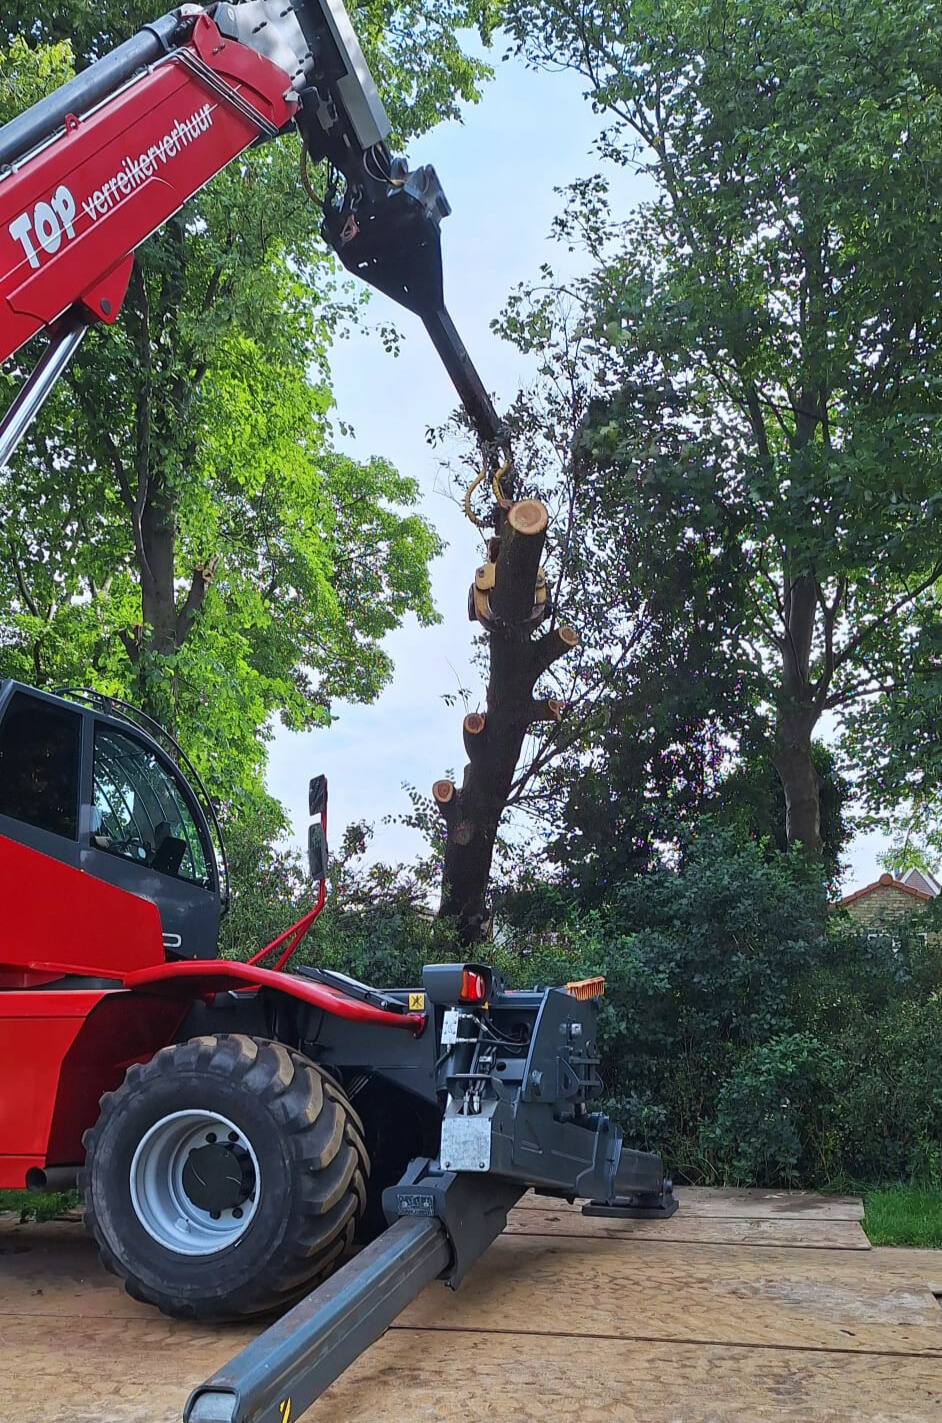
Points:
(30, 1206)
(904, 1215)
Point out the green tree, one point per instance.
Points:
(893, 745)
(178, 528)
(751, 798)
(781, 288)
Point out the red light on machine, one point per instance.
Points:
(473, 987)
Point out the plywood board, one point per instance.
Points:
(732, 1203)
(107, 1370)
(724, 1295)
(92, 1374)
(786, 1231)
(598, 1381)
(567, 1318)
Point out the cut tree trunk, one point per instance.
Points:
(493, 739)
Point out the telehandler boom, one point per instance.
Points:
(87, 174)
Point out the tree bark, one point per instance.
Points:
(493, 739)
(151, 474)
(796, 717)
(800, 781)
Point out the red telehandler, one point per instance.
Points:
(235, 1127)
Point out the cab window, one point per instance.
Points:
(138, 811)
(39, 764)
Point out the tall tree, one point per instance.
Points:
(783, 283)
(178, 527)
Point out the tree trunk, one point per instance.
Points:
(157, 692)
(800, 781)
(505, 597)
(796, 719)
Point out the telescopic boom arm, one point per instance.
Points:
(89, 173)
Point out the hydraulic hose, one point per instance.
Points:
(79, 95)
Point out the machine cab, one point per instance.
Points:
(84, 782)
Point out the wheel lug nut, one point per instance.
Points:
(210, 1136)
(237, 1212)
(215, 1214)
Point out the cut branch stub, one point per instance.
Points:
(523, 534)
(473, 729)
(552, 646)
(549, 710)
(443, 794)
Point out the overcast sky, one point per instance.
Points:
(530, 134)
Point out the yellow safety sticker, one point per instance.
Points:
(284, 1408)
(416, 1002)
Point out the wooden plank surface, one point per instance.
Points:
(724, 1295)
(567, 1319)
(732, 1203)
(788, 1231)
(414, 1376)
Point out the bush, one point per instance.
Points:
(756, 1039)
(771, 1111)
(702, 967)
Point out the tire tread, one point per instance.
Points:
(330, 1161)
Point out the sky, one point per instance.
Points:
(531, 134)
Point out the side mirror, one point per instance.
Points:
(317, 795)
(317, 852)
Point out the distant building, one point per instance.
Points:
(888, 901)
(922, 879)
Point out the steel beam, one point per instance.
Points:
(37, 124)
(284, 1370)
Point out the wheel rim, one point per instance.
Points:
(195, 1182)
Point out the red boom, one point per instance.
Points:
(72, 215)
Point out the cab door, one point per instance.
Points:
(145, 834)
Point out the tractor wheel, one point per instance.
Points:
(224, 1177)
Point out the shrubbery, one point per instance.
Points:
(747, 1033)
(756, 1039)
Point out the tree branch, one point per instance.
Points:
(549, 648)
(203, 575)
(856, 642)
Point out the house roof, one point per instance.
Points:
(922, 879)
(887, 882)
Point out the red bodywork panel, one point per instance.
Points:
(56, 919)
(59, 1051)
(71, 216)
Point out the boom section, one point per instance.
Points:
(73, 211)
(90, 172)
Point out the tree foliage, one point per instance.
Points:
(780, 291)
(750, 798)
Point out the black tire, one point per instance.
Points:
(304, 1201)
